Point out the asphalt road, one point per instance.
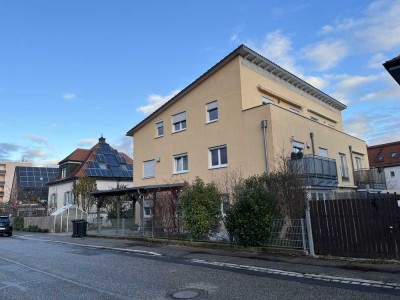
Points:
(40, 266)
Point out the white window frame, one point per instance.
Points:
(53, 200)
(219, 165)
(63, 172)
(179, 119)
(68, 198)
(159, 124)
(212, 106)
(343, 166)
(297, 147)
(149, 163)
(358, 163)
(323, 152)
(177, 160)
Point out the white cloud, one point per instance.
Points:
(377, 29)
(326, 54)
(155, 101)
(35, 138)
(234, 38)
(315, 81)
(87, 142)
(125, 145)
(69, 96)
(353, 83)
(359, 126)
(376, 61)
(385, 138)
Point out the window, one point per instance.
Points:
(212, 111)
(323, 152)
(393, 155)
(67, 198)
(53, 200)
(149, 169)
(266, 100)
(343, 167)
(218, 157)
(159, 128)
(296, 111)
(358, 164)
(148, 208)
(179, 122)
(392, 174)
(63, 172)
(180, 163)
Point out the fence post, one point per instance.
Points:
(308, 220)
(303, 235)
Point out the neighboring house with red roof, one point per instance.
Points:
(110, 168)
(386, 157)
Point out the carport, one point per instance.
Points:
(136, 195)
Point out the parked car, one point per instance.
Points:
(5, 226)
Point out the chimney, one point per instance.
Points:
(102, 140)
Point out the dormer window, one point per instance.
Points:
(64, 172)
(394, 154)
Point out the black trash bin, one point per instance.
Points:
(75, 228)
(83, 227)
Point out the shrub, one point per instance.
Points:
(18, 223)
(200, 205)
(249, 219)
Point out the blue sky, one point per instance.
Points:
(73, 70)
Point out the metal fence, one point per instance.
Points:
(284, 233)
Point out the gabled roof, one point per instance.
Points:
(101, 161)
(393, 67)
(384, 155)
(79, 155)
(262, 63)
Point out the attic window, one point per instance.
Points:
(394, 154)
(379, 158)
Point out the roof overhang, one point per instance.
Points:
(393, 67)
(137, 190)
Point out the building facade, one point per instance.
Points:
(247, 115)
(7, 170)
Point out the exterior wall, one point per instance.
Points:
(252, 76)
(287, 126)
(61, 188)
(393, 183)
(7, 177)
(240, 110)
(223, 86)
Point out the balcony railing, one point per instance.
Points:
(315, 170)
(370, 179)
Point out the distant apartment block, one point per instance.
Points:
(7, 169)
(246, 114)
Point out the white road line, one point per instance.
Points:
(336, 279)
(142, 252)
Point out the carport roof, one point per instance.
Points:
(137, 190)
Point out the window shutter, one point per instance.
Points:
(179, 117)
(212, 105)
(149, 168)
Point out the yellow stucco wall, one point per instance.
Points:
(240, 112)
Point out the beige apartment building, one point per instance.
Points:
(7, 170)
(242, 116)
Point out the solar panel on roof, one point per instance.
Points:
(105, 149)
(100, 157)
(111, 160)
(116, 171)
(88, 172)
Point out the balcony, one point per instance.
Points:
(1, 193)
(315, 170)
(370, 179)
(2, 171)
(2, 182)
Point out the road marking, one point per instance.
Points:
(336, 279)
(141, 252)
